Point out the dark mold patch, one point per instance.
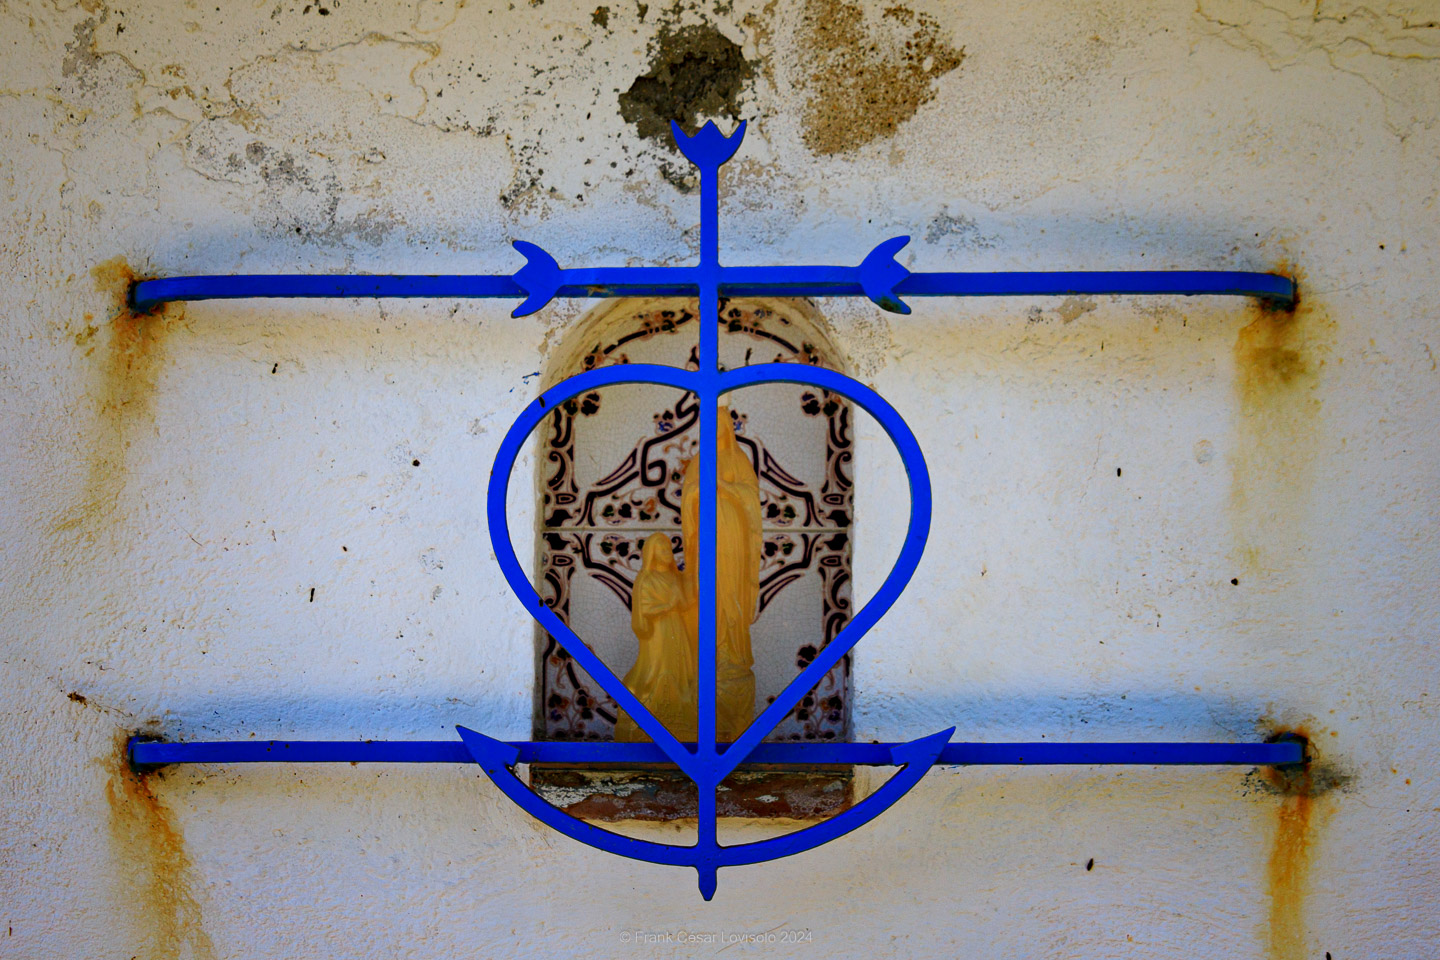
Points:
(866, 76)
(1315, 777)
(957, 230)
(694, 72)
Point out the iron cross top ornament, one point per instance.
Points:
(884, 282)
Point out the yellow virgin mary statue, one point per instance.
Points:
(664, 605)
(738, 545)
(663, 677)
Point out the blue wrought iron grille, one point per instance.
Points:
(879, 278)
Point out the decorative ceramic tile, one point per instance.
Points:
(613, 465)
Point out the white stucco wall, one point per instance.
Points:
(176, 487)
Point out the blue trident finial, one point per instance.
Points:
(878, 276)
(708, 148)
(881, 279)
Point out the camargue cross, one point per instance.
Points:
(707, 762)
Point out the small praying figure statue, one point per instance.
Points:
(739, 543)
(663, 677)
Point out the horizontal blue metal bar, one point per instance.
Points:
(156, 752)
(1187, 283)
(817, 281)
(777, 281)
(150, 293)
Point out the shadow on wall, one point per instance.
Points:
(1060, 716)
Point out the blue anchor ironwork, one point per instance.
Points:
(879, 278)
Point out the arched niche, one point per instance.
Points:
(610, 466)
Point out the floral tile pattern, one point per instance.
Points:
(612, 468)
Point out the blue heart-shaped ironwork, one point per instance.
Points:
(541, 279)
(702, 766)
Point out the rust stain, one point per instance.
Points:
(1280, 357)
(1305, 806)
(1288, 876)
(156, 875)
(127, 364)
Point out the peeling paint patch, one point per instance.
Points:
(1073, 308)
(665, 795)
(307, 175)
(156, 875)
(864, 75)
(80, 55)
